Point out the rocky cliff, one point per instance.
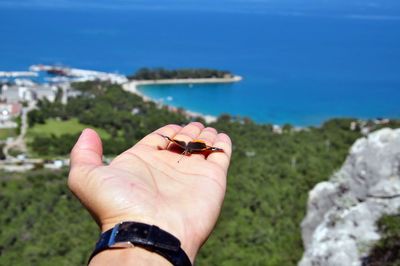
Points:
(339, 228)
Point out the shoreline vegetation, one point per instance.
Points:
(183, 73)
(159, 76)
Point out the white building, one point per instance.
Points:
(45, 92)
(25, 94)
(7, 112)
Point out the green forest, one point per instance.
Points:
(184, 73)
(268, 182)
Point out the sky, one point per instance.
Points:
(364, 7)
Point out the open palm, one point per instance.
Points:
(147, 184)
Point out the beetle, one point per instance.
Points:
(192, 146)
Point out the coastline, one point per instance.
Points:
(132, 87)
(187, 81)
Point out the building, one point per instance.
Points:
(45, 92)
(7, 112)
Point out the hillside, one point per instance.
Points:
(268, 183)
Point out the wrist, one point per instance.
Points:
(140, 229)
(128, 256)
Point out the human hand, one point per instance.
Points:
(147, 184)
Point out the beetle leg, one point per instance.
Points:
(182, 155)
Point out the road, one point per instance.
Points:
(19, 142)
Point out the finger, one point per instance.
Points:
(88, 150)
(222, 158)
(208, 135)
(155, 139)
(190, 132)
(85, 155)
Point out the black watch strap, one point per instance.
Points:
(150, 237)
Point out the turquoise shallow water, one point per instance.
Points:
(297, 69)
(307, 106)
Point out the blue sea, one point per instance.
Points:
(298, 67)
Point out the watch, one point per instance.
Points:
(150, 237)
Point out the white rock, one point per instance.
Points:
(339, 228)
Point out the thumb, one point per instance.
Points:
(88, 150)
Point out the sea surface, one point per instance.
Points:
(297, 68)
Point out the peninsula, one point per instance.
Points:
(181, 74)
(161, 76)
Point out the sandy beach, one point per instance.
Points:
(132, 87)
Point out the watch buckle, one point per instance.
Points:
(113, 244)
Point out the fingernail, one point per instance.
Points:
(82, 134)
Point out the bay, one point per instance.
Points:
(297, 69)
